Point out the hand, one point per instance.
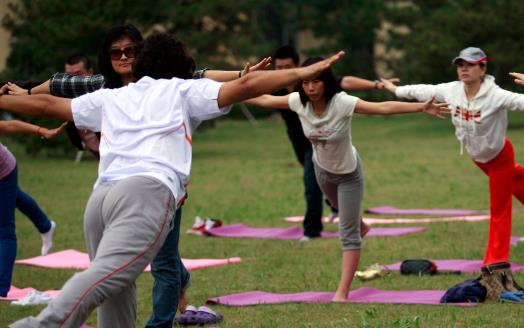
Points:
(3, 89)
(312, 71)
(519, 78)
(14, 89)
(261, 65)
(48, 134)
(437, 110)
(389, 84)
(381, 85)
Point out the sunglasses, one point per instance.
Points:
(116, 54)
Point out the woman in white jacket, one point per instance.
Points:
(479, 114)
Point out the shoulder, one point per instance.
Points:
(294, 101)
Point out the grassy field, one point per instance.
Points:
(245, 174)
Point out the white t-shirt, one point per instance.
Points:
(329, 134)
(147, 126)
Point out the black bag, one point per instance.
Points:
(418, 267)
(469, 291)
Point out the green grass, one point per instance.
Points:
(249, 174)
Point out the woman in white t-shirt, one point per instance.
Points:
(326, 119)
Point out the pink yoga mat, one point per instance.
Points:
(397, 211)
(295, 233)
(361, 295)
(471, 218)
(465, 266)
(16, 293)
(73, 259)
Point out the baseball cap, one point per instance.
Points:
(471, 55)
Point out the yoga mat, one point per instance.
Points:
(471, 218)
(397, 211)
(73, 259)
(516, 240)
(465, 266)
(295, 233)
(16, 293)
(361, 295)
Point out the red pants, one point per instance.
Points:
(506, 178)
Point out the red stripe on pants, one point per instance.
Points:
(506, 178)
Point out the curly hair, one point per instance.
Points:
(163, 56)
(327, 76)
(112, 78)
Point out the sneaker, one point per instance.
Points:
(198, 227)
(304, 239)
(212, 223)
(332, 217)
(206, 316)
(47, 239)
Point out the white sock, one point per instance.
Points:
(47, 239)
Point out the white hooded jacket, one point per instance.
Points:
(481, 123)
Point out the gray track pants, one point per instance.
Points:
(125, 224)
(345, 192)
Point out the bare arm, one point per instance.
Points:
(258, 83)
(269, 101)
(519, 78)
(15, 126)
(37, 105)
(224, 76)
(355, 83)
(14, 89)
(398, 107)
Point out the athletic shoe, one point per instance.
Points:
(332, 217)
(212, 223)
(47, 239)
(206, 316)
(304, 239)
(188, 317)
(198, 227)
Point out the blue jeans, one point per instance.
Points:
(8, 188)
(11, 197)
(170, 278)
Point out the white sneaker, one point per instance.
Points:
(33, 298)
(304, 239)
(47, 239)
(198, 227)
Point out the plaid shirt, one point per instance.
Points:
(71, 86)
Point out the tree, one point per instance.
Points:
(438, 30)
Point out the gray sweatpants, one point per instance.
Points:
(125, 224)
(345, 192)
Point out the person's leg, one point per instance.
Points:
(8, 187)
(166, 272)
(518, 182)
(130, 220)
(27, 205)
(500, 171)
(350, 194)
(313, 217)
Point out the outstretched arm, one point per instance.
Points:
(15, 126)
(356, 83)
(519, 78)
(269, 101)
(37, 105)
(398, 107)
(258, 83)
(14, 89)
(224, 76)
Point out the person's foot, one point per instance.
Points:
(364, 228)
(47, 239)
(332, 217)
(304, 239)
(339, 299)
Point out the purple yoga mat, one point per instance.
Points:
(465, 266)
(397, 211)
(295, 233)
(516, 240)
(361, 295)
